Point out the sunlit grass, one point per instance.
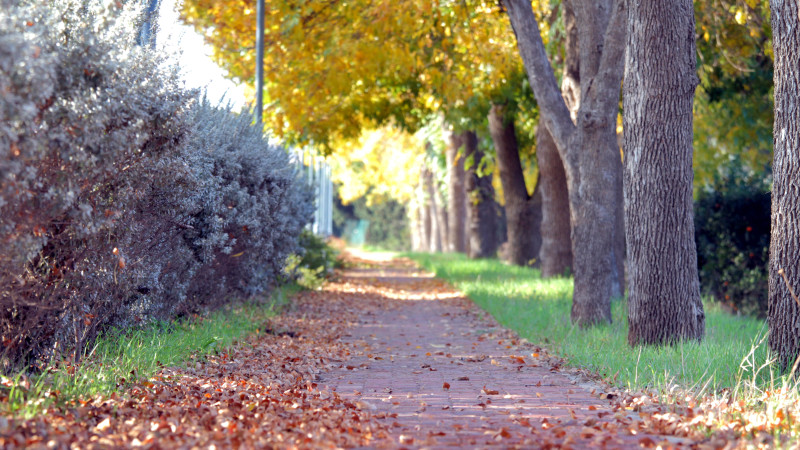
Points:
(119, 358)
(539, 310)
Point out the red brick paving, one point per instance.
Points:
(440, 372)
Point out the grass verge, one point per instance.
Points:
(119, 357)
(732, 355)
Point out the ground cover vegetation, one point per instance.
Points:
(125, 199)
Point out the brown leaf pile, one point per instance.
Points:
(713, 421)
(261, 393)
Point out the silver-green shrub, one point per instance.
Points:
(123, 197)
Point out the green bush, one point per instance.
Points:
(315, 261)
(316, 253)
(732, 226)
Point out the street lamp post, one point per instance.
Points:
(259, 112)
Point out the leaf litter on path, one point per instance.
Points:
(270, 390)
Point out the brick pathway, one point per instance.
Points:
(440, 372)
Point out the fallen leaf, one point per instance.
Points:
(489, 391)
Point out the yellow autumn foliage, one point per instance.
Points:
(381, 163)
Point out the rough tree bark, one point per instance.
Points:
(457, 198)
(664, 304)
(481, 211)
(784, 252)
(523, 211)
(589, 148)
(556, 248)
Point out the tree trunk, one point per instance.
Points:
(415, 226)
(664, 303)
(556, 251)
(481, 211)
(435, 243)
(784, 253)
(523, 211)
(588, 149)
(424, 214)
(441, 211)
(457, 211)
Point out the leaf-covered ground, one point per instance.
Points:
(384, 356)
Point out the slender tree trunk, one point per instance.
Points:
(424, 214)
(434, 242)
(441, 212)
(414, 226)
(457, 210)
(481, 211)
(556, 250)
(784, 252)
(523, 211)
(588, 149)
(660, 78)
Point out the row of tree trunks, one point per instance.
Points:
(664, 302)
(481, 206)
(589, 149)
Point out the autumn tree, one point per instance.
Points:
(589, 148)
(784, 254)
(664, 303)
(733, 105)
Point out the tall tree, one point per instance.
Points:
(589, 148)
(556, 250)
(435, 242)
(555, 253)
(481, 206)
(784, 252)
(457, 194)
(523, 210)
(664, 303)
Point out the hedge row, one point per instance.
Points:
(124, 198)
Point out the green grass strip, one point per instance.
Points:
(121, 357)
(732, 353)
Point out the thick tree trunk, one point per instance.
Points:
(523, 211)
(457, 204)
(588, 149)
(481, 211)
(556, 250)
(664, 304)
(784, 252)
